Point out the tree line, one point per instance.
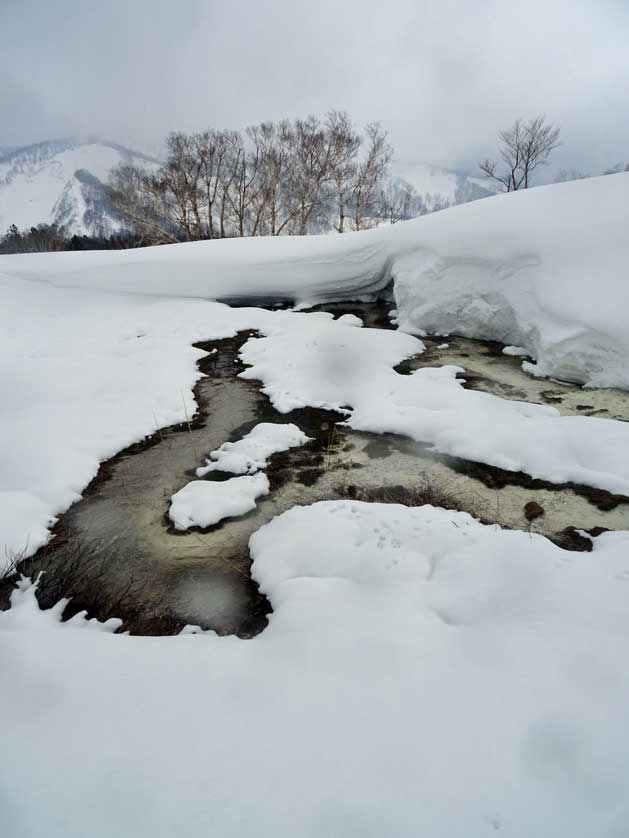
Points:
(50, 238)
(277, 178)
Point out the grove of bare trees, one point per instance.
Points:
(287, 178)
(523, 148)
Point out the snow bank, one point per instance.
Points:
(304, 269)
(202, 503)
(421, 675)
(250, 454)
(544, 268)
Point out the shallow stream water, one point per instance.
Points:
(124, 557)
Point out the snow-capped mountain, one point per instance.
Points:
(62, 182)
(427, 188)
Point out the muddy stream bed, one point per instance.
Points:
(116, 553)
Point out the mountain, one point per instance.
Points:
(424, 188)
(62, 182)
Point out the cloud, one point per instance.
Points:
(443, 77)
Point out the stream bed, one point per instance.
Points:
(115, 552)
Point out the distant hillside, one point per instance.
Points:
(62, 182)
(431, 188)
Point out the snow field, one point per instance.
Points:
(421, 674)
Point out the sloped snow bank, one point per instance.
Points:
(421, 674)
(546, 269)
(304, 269)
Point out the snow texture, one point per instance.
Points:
(352, 371)
(422, 674)
(88, 373)
(250, 454)
(202, 503)
(62, 182)
(543, 268)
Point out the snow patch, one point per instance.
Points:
(250, 453)
(202, 503)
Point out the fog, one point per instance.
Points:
(443, 77)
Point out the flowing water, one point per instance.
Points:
(121, 555)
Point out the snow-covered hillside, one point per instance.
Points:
(61, 182)
(433, 187)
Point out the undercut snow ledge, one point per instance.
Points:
(546, 268)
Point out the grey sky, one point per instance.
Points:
(442, 75)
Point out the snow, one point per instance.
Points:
(250, 454)
(542, 268)
(34, 179)
(422, 674)
(90, 372)
(434, 183)
(352, 371)
(202, 503)
(514, 350)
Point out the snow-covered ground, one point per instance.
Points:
(543, 268)
(89, 372)
(422, 674)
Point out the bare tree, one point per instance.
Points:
(525, 147)
(369, 176)
(212, 151)
(297, 176)
(135, 195)
(308, 172)
(344, 144)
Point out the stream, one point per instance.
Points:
(115, 552)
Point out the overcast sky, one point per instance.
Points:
(443, 76)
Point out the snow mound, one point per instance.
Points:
(202, 503)
(543, 268)
(421, 674)
(250, 453)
